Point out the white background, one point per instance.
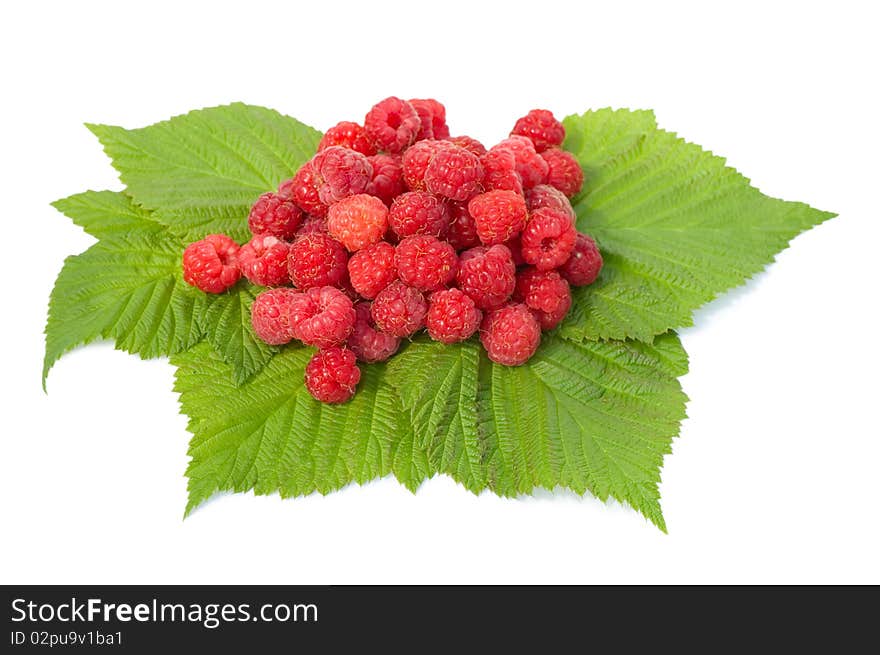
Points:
(775, 475)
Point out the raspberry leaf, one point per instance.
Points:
(201, 172)
(676, 227)
(271, 436)
(227, 324)
(590, 416)
(127, 287)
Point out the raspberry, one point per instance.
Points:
(418, 212)
(432, 115)
(263, 261)
(510, 334)
(564, 171)
(452, 316)
(312, 225)
(332, 375)
(349, 135)
(541, 128)
(275, 215)
(530, 166)
(317, 260)
(468, 143)
(321, 316)
(371, 269)
(454, 173)
(399, 310)
(305, 186)
(548, 239)
(545, 195)
(387, 182)
(212, 263)
(416, 160)
(358, 221)
(487, 275)
(425, 262)
(583, 267)
(499, 215)
(270, 315)
(343, 173)
(285, 189)
(499, 171)
(546, 293)
(369, 344)
(392, 125)
(462, 231)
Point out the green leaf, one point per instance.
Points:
(108, 214)
(127, 287)
(676, 227)
(271, 436)
(227, 323)
(589, 416)
(201, 172)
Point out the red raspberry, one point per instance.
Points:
(368, 343)
(545, 195)
(321, 316)
(548, 239)
(468, 143)
(583, 267)
(531, 167)
(212, 263)
(433, 118)
(263, 261)
(392, 125)
(349, 135)
(541, 128)
(454, 173)
(275, 215)
(452, 316)
(312, 225)
(285, 189)
(499, 215)
(499, 171)
(371, 269)
(317, 260)
(343, 173)
(564, 171)
(425, 262)
(304, 186)
(332, 375)
(418, 212)
(358, 221)
(399, 310)
(546, 293)
(416, 160)
(387, 182)
(270, 315)
(510, 334)
(487, 275)
(462, 231)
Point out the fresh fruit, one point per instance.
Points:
(332, 375)
(211, 264)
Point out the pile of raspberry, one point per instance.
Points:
(394, 227)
